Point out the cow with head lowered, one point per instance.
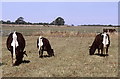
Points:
(16, 44)
(44, 45)
(101, 42)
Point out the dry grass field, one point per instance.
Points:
(71, 59)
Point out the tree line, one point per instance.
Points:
(20, 20)
(58, 21)
(97, 25)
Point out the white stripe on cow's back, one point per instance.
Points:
(40, 43)
(14, 44)
(105, 39)
(14, 41)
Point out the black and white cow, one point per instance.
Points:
(44, 45)
(16, 44)
(101, 42)
(109, 30)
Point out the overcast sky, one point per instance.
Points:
(76, 13)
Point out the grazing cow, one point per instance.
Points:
(16, 44)
(109, 30)
(101, 42)
(44, 45)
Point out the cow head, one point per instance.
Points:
(91, 50)
(51, 53)
(19, 57)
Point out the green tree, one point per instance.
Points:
(8, 22)
(20, 20)
(59, 21)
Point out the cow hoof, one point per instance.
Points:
(40, 56)
(91, 54)
(15, 64)
(107, 55)
(53, 55)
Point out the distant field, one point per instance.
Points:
(71, 46)
(31, 30)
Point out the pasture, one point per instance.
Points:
(71, 47)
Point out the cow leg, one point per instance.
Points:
(98, 51)
(12, 59)
(41, 53)
(107, 51)
(102, 51)
(104, 48)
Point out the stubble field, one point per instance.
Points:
(71, 47)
